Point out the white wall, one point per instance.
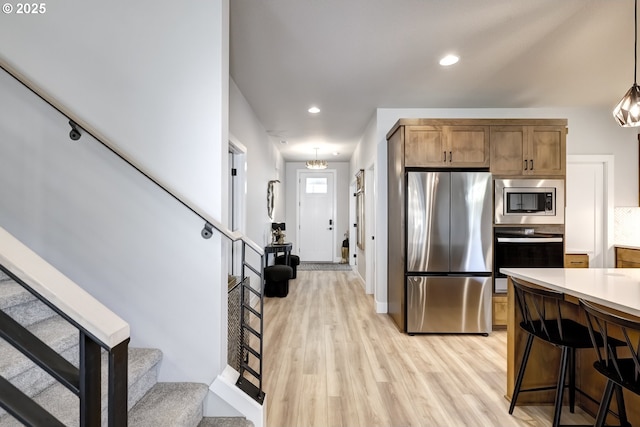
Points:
(364, 157)
(591, 131)
(342, 202)
(151, 77)
(264, 163)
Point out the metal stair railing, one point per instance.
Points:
(77, 127)
(84, 313)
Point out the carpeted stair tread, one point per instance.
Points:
(21, 304)
(225, 422)
(170, 405)
(55, 332)
(142, 375)
(12, 294)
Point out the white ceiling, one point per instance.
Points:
(350, 57)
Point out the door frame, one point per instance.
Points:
(239, 152)
(370, 229)
(334, 212)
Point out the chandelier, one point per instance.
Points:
(316, 164)
(627, 112)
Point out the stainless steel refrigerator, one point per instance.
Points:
(448, 252)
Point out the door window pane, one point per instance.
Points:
(316, 186)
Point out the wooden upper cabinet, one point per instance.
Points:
(528, 150)
(507, 149)
(547, 150)
(424, 146)
(447, 146)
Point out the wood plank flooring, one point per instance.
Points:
(330, 360)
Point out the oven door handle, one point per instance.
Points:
(529, 239)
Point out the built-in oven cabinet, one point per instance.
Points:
(447, 146)
(528, 150)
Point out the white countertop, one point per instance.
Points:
(627, 246)
(617, 288)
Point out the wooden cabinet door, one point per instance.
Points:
(424, 146)
(627, 258)
(468, 146)
(546, 150)
(528, 150)
(507, 150)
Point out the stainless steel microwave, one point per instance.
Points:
(529, 201)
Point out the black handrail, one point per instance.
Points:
(209, 222)
(76, 123)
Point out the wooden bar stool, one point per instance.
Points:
(619, 371)
(542, 318)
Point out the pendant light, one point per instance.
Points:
(627, 112)
(316, 164)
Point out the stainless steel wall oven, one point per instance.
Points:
(520, 247)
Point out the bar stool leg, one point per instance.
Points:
(604, 404)
(572, 380)
(622, 411)
(523, 365)
(564, 360)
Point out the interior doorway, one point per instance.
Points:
(316, 215)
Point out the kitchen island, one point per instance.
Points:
(618, 289)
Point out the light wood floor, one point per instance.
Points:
(330, 360)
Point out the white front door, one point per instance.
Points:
(316, 216)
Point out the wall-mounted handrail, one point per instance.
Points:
(181, 198)
(210, 223)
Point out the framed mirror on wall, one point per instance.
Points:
(360, 209)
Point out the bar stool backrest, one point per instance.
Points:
(540, 309)
(604, 321)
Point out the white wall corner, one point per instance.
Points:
(224, 389)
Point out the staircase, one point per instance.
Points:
(150, 403)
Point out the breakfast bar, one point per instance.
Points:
(615, 288)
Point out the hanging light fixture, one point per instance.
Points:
(627, 112)
(316, 164)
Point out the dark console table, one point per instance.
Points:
(275, 249)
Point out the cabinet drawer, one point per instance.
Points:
(576, 261)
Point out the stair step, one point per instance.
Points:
(170, 404)
(225, 422)
(63, 404)
(21, 304)
(22, 372)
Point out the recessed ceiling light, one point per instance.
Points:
(449, 60)
(314, 110)
(335, 153)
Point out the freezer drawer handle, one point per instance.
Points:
(529, 239)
